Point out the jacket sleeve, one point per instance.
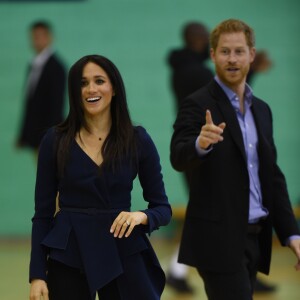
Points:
(149, 171)
(45, 198)
(285, 223)
(190, 119)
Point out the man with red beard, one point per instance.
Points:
(223, 136)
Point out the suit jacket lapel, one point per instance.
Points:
(259, 120)
(230, 118)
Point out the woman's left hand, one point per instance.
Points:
(126, 221)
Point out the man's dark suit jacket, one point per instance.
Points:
(44, 107)
(216, 221)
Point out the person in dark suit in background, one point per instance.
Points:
(45, 89)
(189, 73)
(95, 243)
(223, 135)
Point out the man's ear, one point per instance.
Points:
(212, 54)
(252, 54)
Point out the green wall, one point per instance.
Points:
(137, 35)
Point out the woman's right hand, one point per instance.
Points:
(38, 290)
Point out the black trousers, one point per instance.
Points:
(67, 283)
(238, 285)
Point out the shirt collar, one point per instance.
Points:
(232, 96)
(42, 57)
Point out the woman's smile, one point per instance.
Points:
(93, 99)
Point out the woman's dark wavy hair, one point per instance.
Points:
(120, 141)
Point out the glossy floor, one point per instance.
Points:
(14, 258)
(283, 275)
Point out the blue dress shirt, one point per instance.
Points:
(248, 129)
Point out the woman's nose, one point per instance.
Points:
(92, 87)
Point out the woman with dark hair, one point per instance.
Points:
(94, 243)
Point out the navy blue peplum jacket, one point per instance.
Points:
(83, 239)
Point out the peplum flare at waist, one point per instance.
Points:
(84, 241)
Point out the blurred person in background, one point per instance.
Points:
(45, 89)
(95, 243)
(262, 63)
(189, 72)
(223, 135)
